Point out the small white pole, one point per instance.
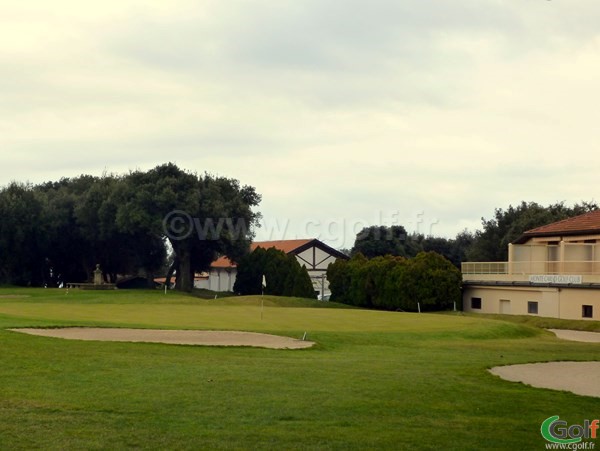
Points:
(455, 306)
(419, 306)
(165, 288)
(304, 337)
(262, 296)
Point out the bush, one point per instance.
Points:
(396, 283)
(436, 281)
(248, 280)
(283, 274)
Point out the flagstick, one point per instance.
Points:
(262, 296)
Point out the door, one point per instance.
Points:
(505, 306)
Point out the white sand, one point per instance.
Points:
(186, 337)
(582, 378)
(576, 335)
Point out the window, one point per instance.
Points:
(532, 307)
(476, 303)
(587, 311)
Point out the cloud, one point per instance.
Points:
(330, 108)
(324, 54)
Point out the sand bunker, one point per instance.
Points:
(582, 378)
(576, 335)
(181, 337)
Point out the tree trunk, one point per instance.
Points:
(174, 267)
(185, 274)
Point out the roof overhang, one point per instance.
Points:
(527, 236)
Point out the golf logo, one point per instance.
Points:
(562, 436)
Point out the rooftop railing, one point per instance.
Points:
(582, 267)
(485, 268)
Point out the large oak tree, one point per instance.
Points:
(202, 217)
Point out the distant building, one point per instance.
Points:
(552, 271)
(312, 253)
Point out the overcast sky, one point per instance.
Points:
(342, 113)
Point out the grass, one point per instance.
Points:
(376, 380)
(545, 323)
(210, 294)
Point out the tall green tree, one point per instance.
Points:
(276, 266)
(80, 219)
(202, 217)
(250, 271)
(283, 274)
(376, 241)
(339, 279)
(58, 231)
(345, 281)
(22, 237)
(67, 249)
(303, 286)
(454, 249)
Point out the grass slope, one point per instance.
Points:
(545, 323)
(377, 380)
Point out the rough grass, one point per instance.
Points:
(376, 380)
(542, 322)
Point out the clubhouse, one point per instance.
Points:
(552, 271)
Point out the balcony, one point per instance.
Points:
(469, 268)
(520, 271)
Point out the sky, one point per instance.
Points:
(424, 113)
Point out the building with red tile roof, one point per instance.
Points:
(311, 253)
(586, 224)
(552, 271)
(287, 246)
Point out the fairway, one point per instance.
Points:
(374, 380)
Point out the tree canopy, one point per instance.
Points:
(202, 217)
(396, 283)
(378, 241)
(488, 244)
(58, 231)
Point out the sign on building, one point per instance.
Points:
(555, 278)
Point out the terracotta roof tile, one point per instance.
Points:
(586, 223)
(222, 262)
(286, 246)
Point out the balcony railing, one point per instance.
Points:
(485, 268)
(583, 267)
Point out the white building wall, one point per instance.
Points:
(202, 284)
(221, 279)
(553, 302)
